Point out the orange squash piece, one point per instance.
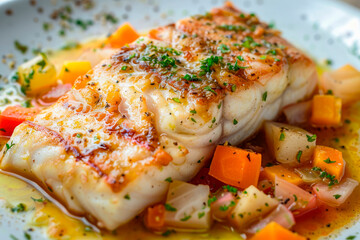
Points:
(329, 160)
(281, 172)
(274, 231)
(235, 166)
(123, 35)
(326, 110)
(155, 217)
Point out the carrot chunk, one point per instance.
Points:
(329, 160)
(326, 110)
(123, 35)
(155, 217)
(274, 231)
(281, 172)
(235, 166)
(13, 116)
(71, 70)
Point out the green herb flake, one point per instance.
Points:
(169, 208)
(13, 237)
(235, 121)
(264, 96)
(124, 68)
(351, 237)
(337, 196)
(193, 119)
(38, 199)
(127, 197)
(20, 47)
(208, 88)
(9, 146)
(224, 49)
(211, 200)
(176, 100)
(328, 161)
(19, 208)
(233, 88)
(88, 229)
(282, 136)
(311, 138)
(185, 218)
(298, 155)
(27, 236)
(201, 214)
(295, 197)
(193, 111)
(230, 189)
(263, 57)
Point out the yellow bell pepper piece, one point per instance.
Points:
(326, 110)
(36, 75)
(71, 70)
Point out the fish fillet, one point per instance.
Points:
(157, 109)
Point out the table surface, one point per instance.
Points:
(353, 2)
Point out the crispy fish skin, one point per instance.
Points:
(157, 109)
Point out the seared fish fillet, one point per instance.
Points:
(157, 109)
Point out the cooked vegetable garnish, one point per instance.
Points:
(252, 206)
(235, 166)
(12, 116)
(326, 110)
(282, 172)
(72, 70)
(123, 35)
(329, 160)
(274, 231)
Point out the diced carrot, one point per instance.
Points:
(161, 157)
(155, 217)
(329, 160)
(326, 110)
(282, 172)
(13, 116)
(235, 166)
(71, 70)
(123, 35)
(274, 231)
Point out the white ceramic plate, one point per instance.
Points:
(326, 29)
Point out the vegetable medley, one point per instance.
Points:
(259, 192)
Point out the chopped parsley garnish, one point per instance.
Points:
(13, 237)
(201, 214)
(18, 208)
(123, 68)
(295, 197)
(169, 179)
(226, 207)
(324, 174)
(185, 218)
(193, 111)
(298, 155)
(9, 146)
(37, 199)
(347, 121)
(311, 138)
(208, 88)
(264, 96)
(329, 161)
(26, 104)
(230, 189)
(127, 197)
(211, 200)
(233, 88)
(207, 63)
(329, 92)
(240, 58)
(337, 196)
(70, 45)
(20, 47)
(27, 236)
(282, 136)
(191, 78)
(111, 18)
(249, 43)
(78, 135)
(219, 106)
(272, 52)
(235, 121)
(224, 49)
(234, 28)
(169, 208)
(87, 229)
(176, 100)
(193, 119)
(263, 57)
(351, 237)
(235, 67)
